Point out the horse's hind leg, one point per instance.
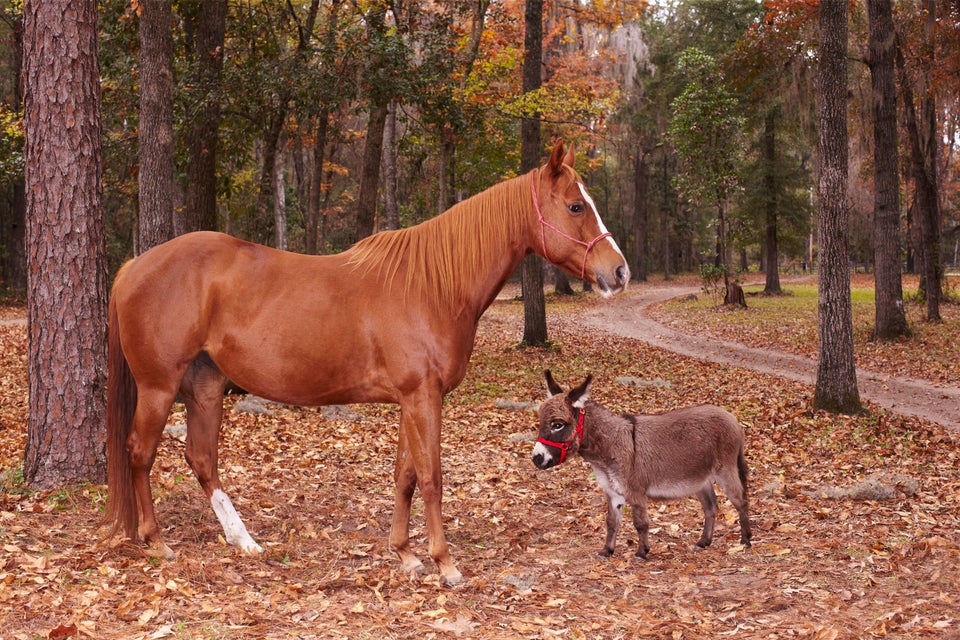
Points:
(153, 406)
(202, 390)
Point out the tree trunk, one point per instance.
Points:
(836, 388)
(891, 321)
(67, 275)
(279, 187)
(311, 239)
(772, 257)
(13, 260)
(534, 304)
(391, 209)
(155, 174)
(202, 140)
(370, 173)
(640, 250)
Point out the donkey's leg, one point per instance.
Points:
(153, 406)
(708, 499)
(641, 522)
(202, 391)
(614, 517)
(405, 481)
(420, 421)
(734, 487)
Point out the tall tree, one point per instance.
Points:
(156, 123)
(891, 320)
(67, 275)
(920, 116)
(13, 259)
(836, 388)
(531, 282)
(206, 27)
(705, 130)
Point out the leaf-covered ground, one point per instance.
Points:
(828, 560)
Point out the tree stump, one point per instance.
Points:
(735, 295)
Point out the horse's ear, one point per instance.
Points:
(557, 159)
(570, 157)
(552, 387)
(579, 396)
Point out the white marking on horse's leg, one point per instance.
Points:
(233, 528)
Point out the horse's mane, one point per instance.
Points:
(444, 257)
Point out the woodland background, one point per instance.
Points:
(288, 103)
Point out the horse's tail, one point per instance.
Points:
(121, 511)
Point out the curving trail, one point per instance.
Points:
(625, 315)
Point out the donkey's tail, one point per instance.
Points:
(121, 511)
(742, 470)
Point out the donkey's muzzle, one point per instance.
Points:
(543, 461)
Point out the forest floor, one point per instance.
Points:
(855, 517)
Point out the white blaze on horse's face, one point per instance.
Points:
(606, 293)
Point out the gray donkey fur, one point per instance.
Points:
(661, 456)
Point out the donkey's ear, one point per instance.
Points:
(552, 387)
(580, 395)
(557, 159)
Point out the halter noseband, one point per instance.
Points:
(544, 224)
(565, 446)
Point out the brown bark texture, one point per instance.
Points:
(836, 388)
(67, 279)
(156, 124)
(890, 317)
(531, 280)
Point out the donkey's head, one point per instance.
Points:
(561, 422)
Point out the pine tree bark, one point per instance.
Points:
(836, 388)
(890, 318)
(531, 280)
(200, 211)
(155, 174)
(67, 275)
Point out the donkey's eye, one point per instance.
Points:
(557, 426)
(576, 208)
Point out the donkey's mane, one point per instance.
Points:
(446, 257)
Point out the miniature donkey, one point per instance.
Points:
(635, 457)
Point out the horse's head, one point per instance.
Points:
(571, 234)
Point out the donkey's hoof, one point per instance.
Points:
(605, 552)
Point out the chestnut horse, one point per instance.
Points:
(392, 319)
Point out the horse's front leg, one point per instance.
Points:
(405, 481)
(420, 425)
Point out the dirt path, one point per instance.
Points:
(625, 316)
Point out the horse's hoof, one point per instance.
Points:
(605, 553)
(413, 567)
(160, 550)
(451, 578)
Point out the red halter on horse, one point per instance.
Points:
(392, 319)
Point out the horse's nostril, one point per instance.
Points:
(622, 274)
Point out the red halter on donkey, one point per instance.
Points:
(392, 319)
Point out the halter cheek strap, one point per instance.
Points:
(565, 446)
(544, 224)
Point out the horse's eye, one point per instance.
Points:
(557, 426)
(576, 208)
